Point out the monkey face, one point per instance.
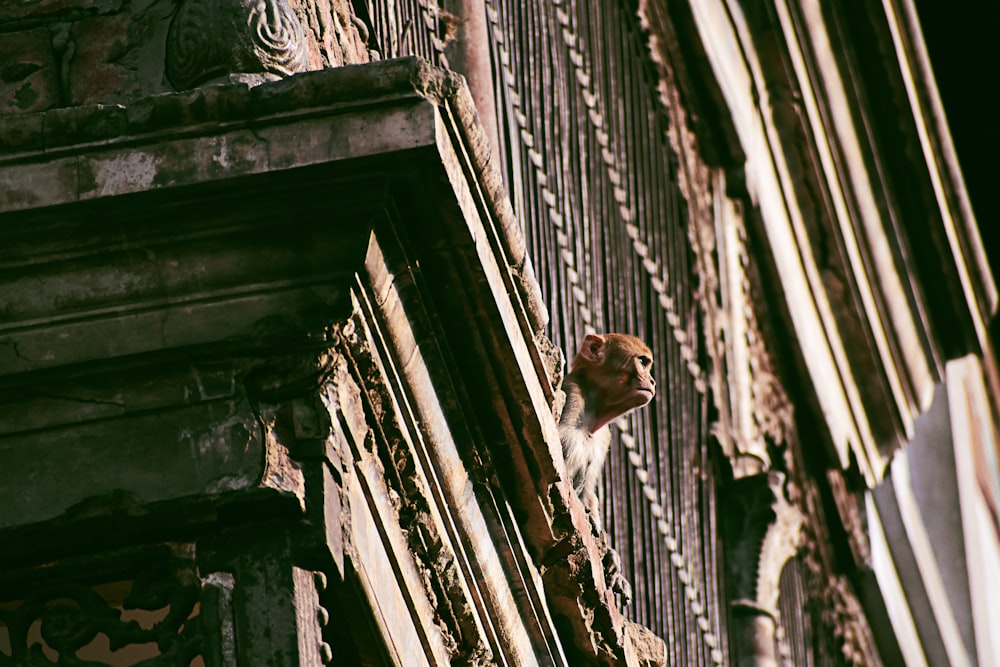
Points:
(641, 379)
(615, 371)
(634, 385)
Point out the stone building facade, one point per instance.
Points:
(286, 288)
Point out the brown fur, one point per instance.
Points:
(610, 376)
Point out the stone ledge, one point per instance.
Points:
(219, 132)
(209, 107)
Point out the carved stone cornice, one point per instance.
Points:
(832, 603)
(851, 515)
(835, 605)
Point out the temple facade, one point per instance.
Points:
(287, 289)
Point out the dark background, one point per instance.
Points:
(963, 40)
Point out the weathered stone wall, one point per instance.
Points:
(56, 53)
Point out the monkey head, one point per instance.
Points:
(614, 372)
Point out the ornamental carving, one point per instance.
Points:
(370, 428)
(754, 413)
(251, 40)
(765, 533)
(832, 601)
(154, 617)
(762, 532)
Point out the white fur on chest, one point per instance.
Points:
(585, 454)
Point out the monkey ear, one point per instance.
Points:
(593, 348)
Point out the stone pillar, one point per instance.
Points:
(753, 633)
(761, 533)
(469, 55)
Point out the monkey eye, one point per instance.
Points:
(645, 361)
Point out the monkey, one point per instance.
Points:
(610, 376)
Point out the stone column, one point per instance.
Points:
(762, 533)
(469, 55)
